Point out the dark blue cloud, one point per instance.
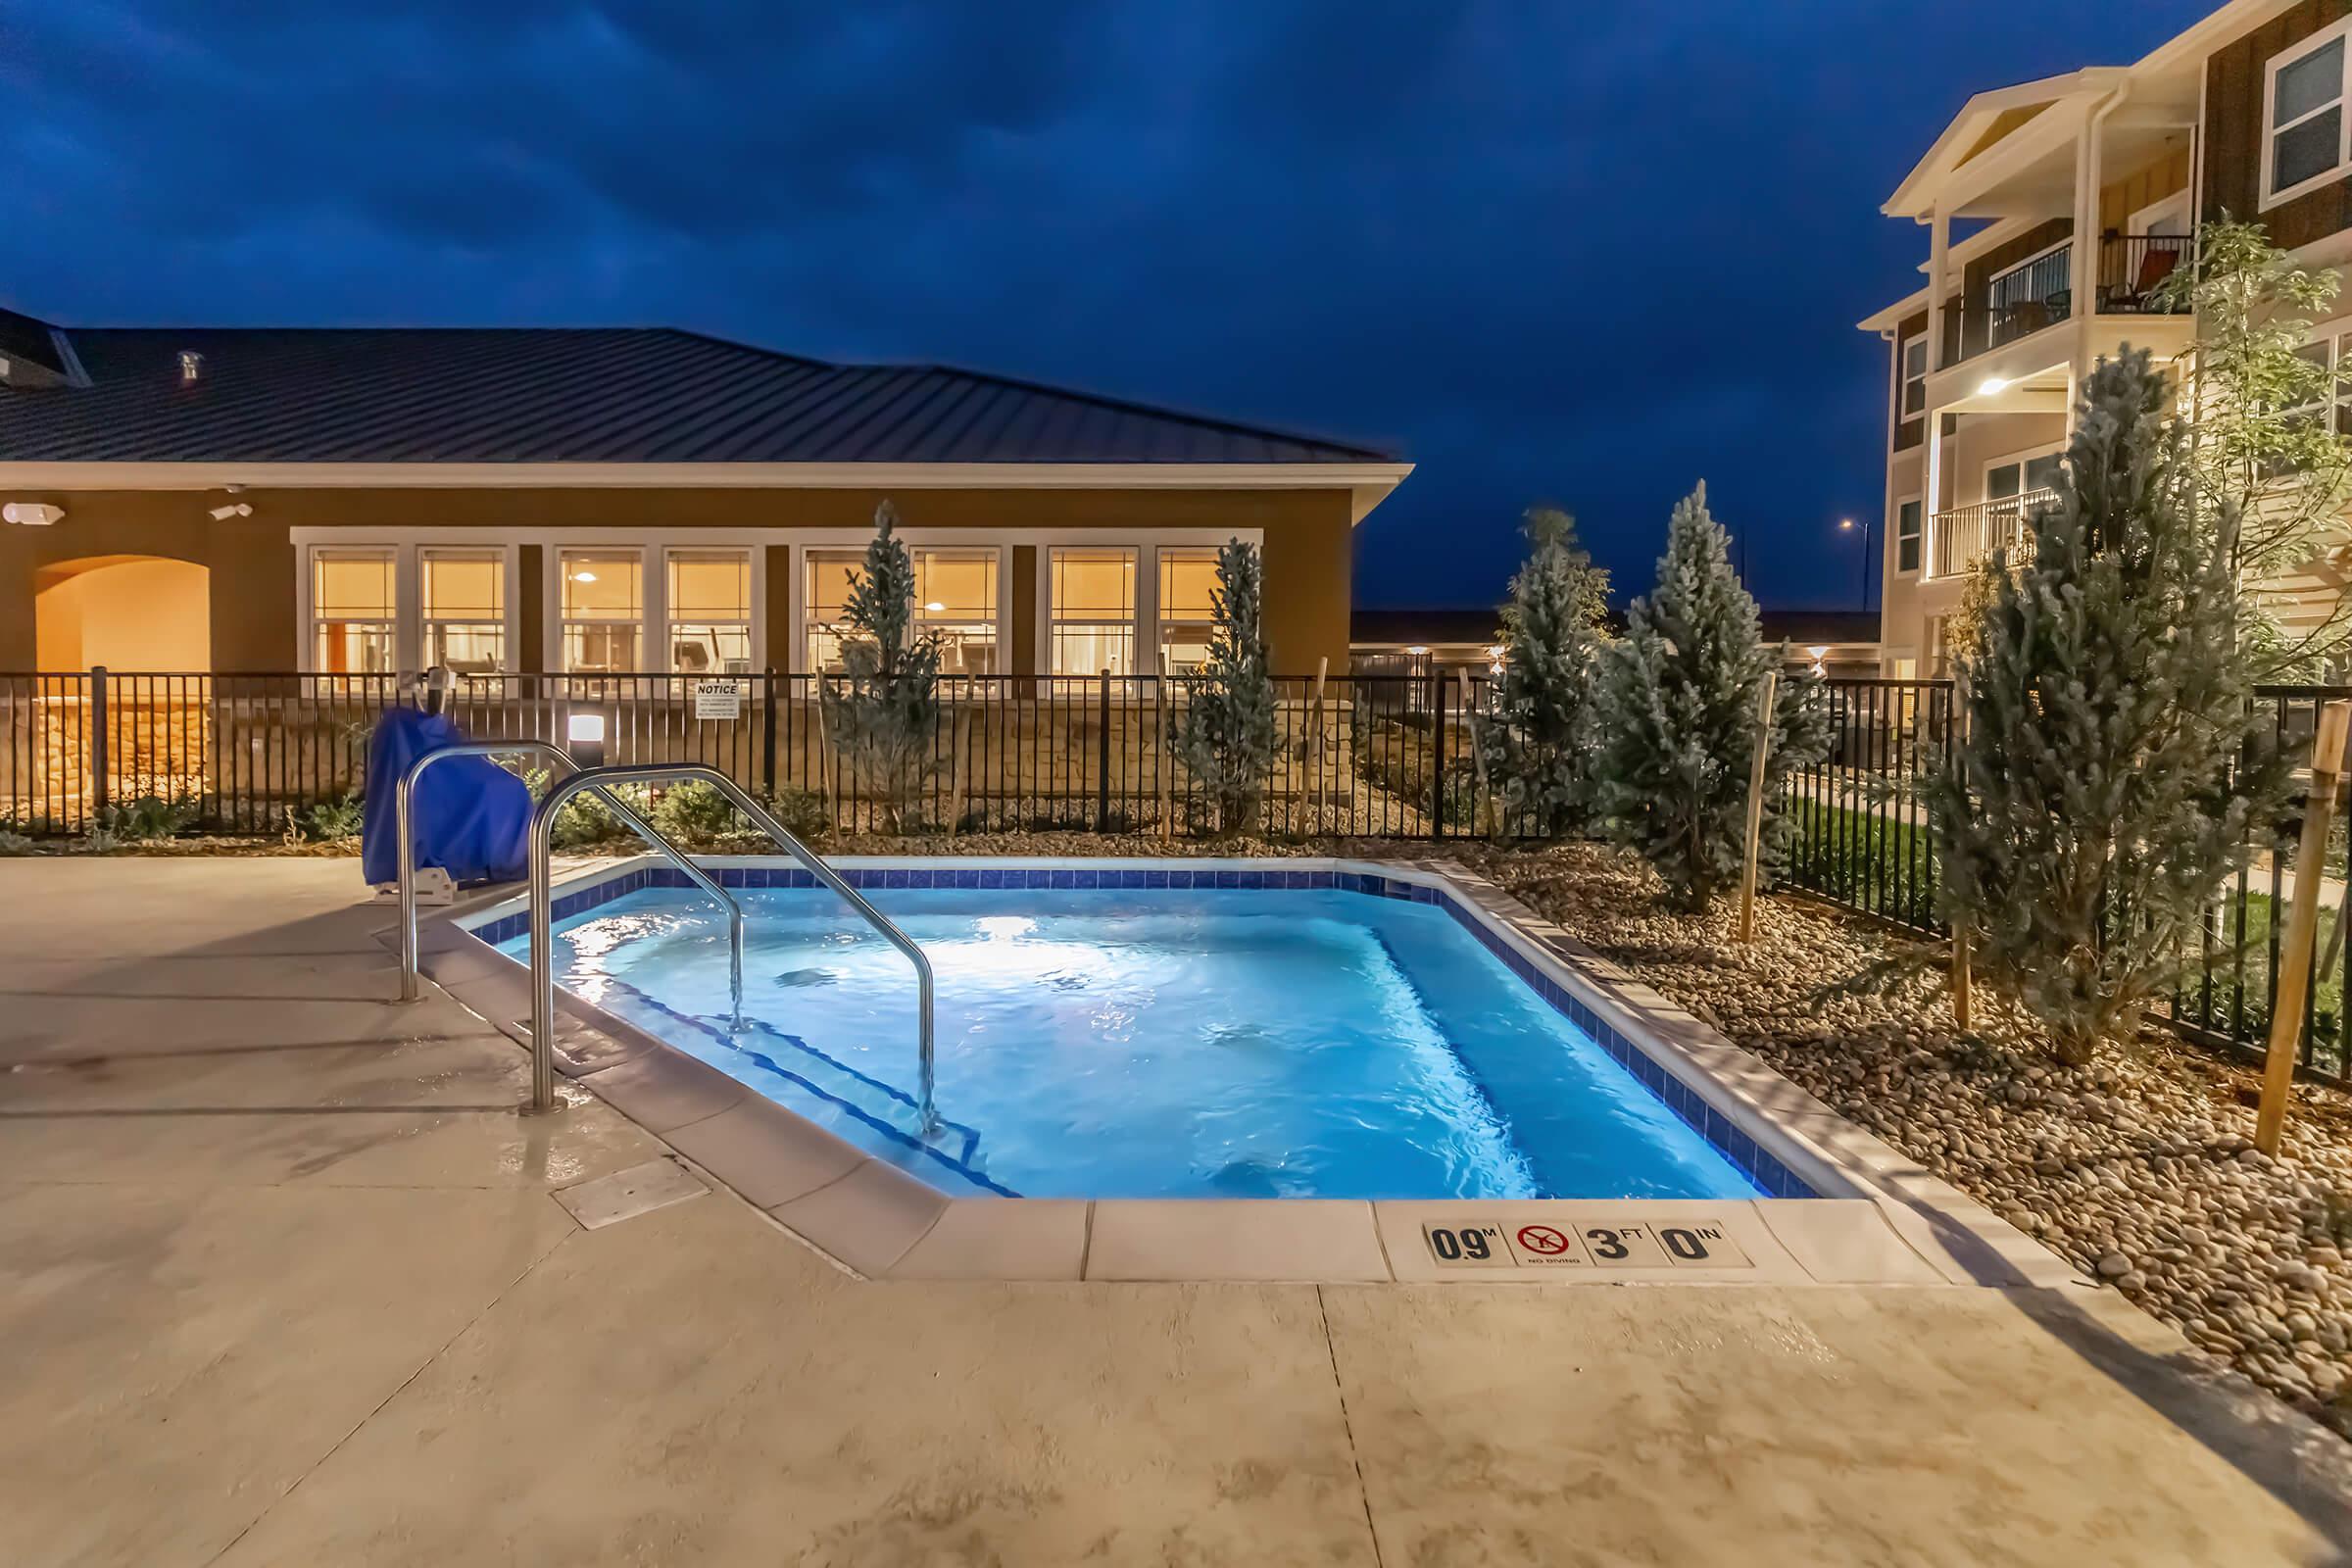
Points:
(1570, 252)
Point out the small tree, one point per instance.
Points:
(2263, 445)
(883, 717)
(1680, 697)
(1539, 738)
(1225, 736)
(2107, 770)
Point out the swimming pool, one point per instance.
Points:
(1161, 1034)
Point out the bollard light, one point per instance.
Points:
(586, 732)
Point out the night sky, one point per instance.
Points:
(1585, 253)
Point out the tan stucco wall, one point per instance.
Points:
(252, 559)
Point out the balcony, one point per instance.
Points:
(2040, 292)
(1966, 535)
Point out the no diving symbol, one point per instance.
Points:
(1542, 1240)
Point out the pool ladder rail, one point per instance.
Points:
(542, 899)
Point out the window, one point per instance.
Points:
(1094, 611)
(828, 589)
(465, 609)
(710, 610)
(1908, 515)
(1188, 578)
(604, 609)
(955, 600)
(354, 611)
(1915, 377)
(2305, 121)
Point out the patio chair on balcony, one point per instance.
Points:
(2136, 295)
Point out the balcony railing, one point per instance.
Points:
(1966, 535)
(2041, 293)
(2131, 269)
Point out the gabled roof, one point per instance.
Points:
(578, 395)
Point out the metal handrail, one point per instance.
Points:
(543, 969)
(409, 958)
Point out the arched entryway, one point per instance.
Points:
(123, 612)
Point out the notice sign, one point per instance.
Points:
(718, 699)
(1583, 1242)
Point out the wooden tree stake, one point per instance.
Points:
(1485, 816)
(1755, 808)
(1964, 990)
(2302, 926)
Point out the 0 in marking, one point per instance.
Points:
(1475, 1243)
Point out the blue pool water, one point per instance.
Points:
(1153, 1043)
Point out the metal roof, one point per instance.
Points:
(578, 395)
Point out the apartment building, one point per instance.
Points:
(2054, 209)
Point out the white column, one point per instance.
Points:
(1940, 231)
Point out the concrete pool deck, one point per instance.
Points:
(284, 1279)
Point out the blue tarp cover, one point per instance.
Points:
(473, 818)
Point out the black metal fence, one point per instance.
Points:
(1364, 756)
(250, 755)
(1859, 835)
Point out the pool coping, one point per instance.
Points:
(1878, 1216)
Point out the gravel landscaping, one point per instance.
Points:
(2138, 1168)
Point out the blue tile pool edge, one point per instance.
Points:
(1721, 1129)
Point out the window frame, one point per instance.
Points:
(650, 572)
(1140, 558)
(426, 620)
(668, 621)
(1161, 621)
(391, 622)
(2267, 143)
(1905, 380)
(1917, 538)
(408, 547)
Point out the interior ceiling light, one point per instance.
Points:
(583, 576)
(934, 606)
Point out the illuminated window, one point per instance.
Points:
(354, 611)
(955, 600)
(1094, 611)
(828, 590)
(465, 609)
(1907, 534)
(604, 611)
(709, 610)
(1187, 613)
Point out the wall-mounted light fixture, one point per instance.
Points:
(31, 514)
(235, 509)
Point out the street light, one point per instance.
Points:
(1846, 526)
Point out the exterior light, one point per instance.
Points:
(586, 729)
(1989, 386)
(1846, 523)
(31, 514)
(934, 607)
(1419, 650)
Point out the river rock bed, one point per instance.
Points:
(2138, 1168)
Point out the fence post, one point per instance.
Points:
(1437, 763)
(1102, 763)
(767, 728)
(100, 763)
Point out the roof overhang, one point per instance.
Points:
(1368, 483)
